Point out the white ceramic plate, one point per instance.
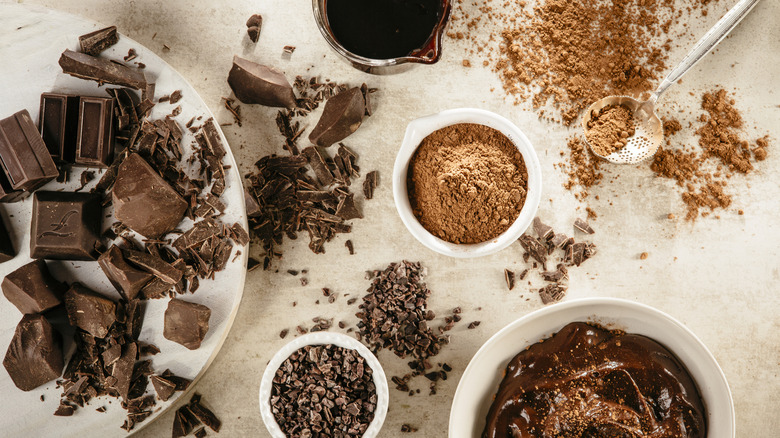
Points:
(480, 381)
(31, 41)
(323, 338)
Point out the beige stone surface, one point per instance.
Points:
(718, 275)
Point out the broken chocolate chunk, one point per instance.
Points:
(552, 292)
(203, 414)
(161, 269)
(543, 231)
(370, 183)
(509, 276)
(102, 70)
(256, 83)
(65, 225)
(144, 201)
(342, 115)
(163, 387)
(318, 165)
(583, 226)
(95, 42)
(347, 209)
(24, 158)
(34, 356)
(89, 310)
(32, 289)
(254, 24)
(186, 323)
(122, 370)
(126, 279)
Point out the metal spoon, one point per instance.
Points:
(649, 130)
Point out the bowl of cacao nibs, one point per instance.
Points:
(324, 385)
(466, 182)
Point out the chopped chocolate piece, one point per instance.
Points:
(370, 183)
(256, 83)
(556, 275)
(34, 356)
(254, 33)
(239, 234)
(183, 422)
(175, 97)
(32, 289)
(583, 226)
(318, 165)
(163, 270)
(542, 230)
(24, 157)
(181, 383)
(350, 247)
(534, 248)
(163, 387)
(406, 428)
(8, 194)
(186, 323)
(89, 310)
(95, 42)
(58, 123)
(122, 370)
(126, 279)
(203, 414)
(134, 318)
(342, 115)
(111, 355)
(95, 140)
(210, 136)
(509, 276)
(366, 93)
(576, 253)
(65, 225)
(551, 293)
(200, 433)
(347, 209)
(101, 70)
(474, 324)
(558, 240)
(254, 24)
(144, 201)
(64, 410)
(283, 333)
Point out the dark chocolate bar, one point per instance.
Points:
(95, 141)
(23, 154)
(32, 289)
(65, 225)
(58, 123)
(35, 354)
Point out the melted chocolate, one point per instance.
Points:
(586, 381)
(382, 29)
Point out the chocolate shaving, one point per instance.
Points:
(509, 276)
(583, 226)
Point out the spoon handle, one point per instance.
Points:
(708, 42)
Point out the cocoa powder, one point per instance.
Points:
(467, 183)
(609, 129)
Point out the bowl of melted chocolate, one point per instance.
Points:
(380, 36)
(595, 367)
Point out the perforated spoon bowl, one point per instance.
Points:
(649, 130)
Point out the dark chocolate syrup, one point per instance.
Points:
(382, 29)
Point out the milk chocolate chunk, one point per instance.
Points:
(122, 370)
(95, 140)
(32, 289)
(163, 387)
(89, 310)
(155, 265)
(101, 70)
(23, 155)
(254, 24)
(7, 251)
(58, 123)
(342, 115)
(7, 193)
(144, 201)
(35, 354)
(256, 83)
(186, 323)
(95, 42)
(65, 225)
(126, 279)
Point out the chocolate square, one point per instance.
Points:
(32, 289)
(89, 311)
(58, 123)
(65, 225)
(95, 140)
(186, 323)
(23, 154)
(35, 354)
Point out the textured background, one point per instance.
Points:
(718, 276)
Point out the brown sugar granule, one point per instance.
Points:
(467, 183)
(609, 129)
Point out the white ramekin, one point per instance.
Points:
(482, 377)
(420, 128)
(323, 338)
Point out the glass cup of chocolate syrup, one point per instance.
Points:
(383, 36)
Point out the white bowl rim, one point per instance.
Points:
(719, 378)
(323, 338)
(420, 128)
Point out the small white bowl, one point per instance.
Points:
(482, 377)
(420, 128)
(323, 338)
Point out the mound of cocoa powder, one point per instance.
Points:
(467, 183)
(609, 129)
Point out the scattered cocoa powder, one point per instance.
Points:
(582, 168)
(609, 129)
(467, 183)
